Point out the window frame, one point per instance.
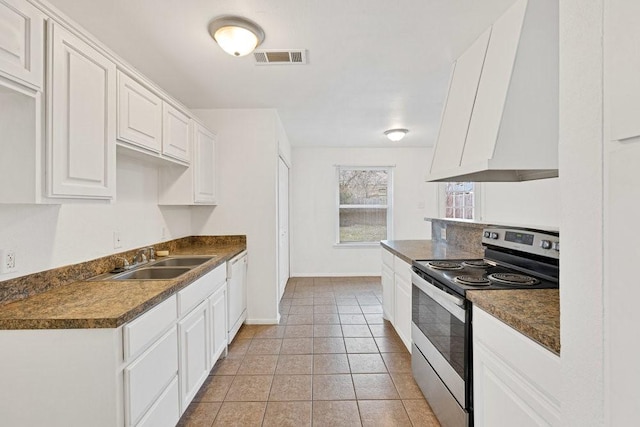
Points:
(388, 206)
(477, 202)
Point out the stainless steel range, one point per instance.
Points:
(441, 315)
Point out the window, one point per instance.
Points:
(364, 204)
(460, 200)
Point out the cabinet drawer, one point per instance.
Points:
(149, 375)
(141, 332)
(199, 290)
(166, 411)
(387, 258)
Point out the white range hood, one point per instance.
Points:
(500, 121)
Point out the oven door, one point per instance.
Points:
(440, 331)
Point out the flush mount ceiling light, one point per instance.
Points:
(396, 135)
(237, 36)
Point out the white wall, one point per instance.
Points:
(581, 218)
(49, 236)
(313, 204)
(247, 149)
(533, 204)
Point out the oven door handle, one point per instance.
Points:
(453, 304)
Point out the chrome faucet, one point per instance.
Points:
(140, 257)
(125, 263)
(152, 253)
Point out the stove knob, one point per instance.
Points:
(493, 236)
(556, 246)
(486, 234)
(545, 244)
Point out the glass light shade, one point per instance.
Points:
(396, 135)
(236, 41)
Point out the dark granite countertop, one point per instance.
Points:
(410, 250)
(107, 303)
(532, 312)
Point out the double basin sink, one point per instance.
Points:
(163, 269)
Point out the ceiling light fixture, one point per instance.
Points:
(237, 36)
(396, 135)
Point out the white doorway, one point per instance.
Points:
(283, 225)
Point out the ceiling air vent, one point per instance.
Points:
(280, 56)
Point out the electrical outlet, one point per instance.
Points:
(117, 241)
(7, 261)
(443, 233)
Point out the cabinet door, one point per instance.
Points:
(458, 107)
(494, 84)
(139, 115)
(21, 42)
(175, 133)
(150, 374)
(622, 40)
(516, 382)
(204, 165)
(388, 293)
(81, 118)
(217, 324)
(194, 366)
(166, 411)
(402, 314)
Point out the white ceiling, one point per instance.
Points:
(373, 64)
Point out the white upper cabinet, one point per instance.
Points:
(204, 165)
(22, 42)
(622, 67)
(511, 132)
(197, 184)
(458, 106)
(81, 118)
(175, 133)
(139, 115)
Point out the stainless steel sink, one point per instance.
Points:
(182, 261)
(151, 273)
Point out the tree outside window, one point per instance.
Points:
(364, 213)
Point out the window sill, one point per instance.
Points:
(357, 245)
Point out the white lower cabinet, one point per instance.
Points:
(396, 295)
(149, 376)
(143, 373)
(402, 315)
(388, 293)
(217, 325)
(194, 363)
(516, 381)
(166, 411)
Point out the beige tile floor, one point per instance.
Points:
(332, 361)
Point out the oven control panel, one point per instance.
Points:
(533, 242)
